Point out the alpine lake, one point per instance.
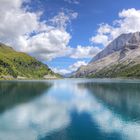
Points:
(70, 109)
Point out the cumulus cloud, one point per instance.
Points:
(61, 20)
(15, 21)
(45, 40)
(125, 24)
(77, 65)
(72, 1)
(85, 51)
(100, 39)
(51, 44)
(71, 68)
(24, 30)
(61, 71)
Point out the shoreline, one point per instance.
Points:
(50, 79)
(19, 78)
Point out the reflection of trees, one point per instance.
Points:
(13, 93)
(123, 98)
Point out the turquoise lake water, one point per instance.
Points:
(70, 109)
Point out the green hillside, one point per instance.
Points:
(16, 64)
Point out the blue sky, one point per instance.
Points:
(66, 33)
(90, 14)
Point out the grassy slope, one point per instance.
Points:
(20, 64)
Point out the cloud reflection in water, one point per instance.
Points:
(51, 113)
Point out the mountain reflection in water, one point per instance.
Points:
(70, 110)
(14, 93)
(123, 98)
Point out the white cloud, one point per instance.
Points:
(44, 40)
(77, 65)
(72, 1)
(24, 31)
(61, 71)
(15, 22)
(71, 68)
(61, 20)
(129, 21)
(85, 51)
(100, 39)
(51, 44)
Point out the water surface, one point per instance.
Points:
(70, 109)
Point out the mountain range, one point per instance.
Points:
(121, 58)
(18, 65)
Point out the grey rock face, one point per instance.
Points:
(124, 49)
(131, 40)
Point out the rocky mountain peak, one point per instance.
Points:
(121, 58)
(130, 40)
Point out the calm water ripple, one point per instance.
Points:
(70, 109)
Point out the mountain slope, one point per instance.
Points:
(121, 58)
(20, 65)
